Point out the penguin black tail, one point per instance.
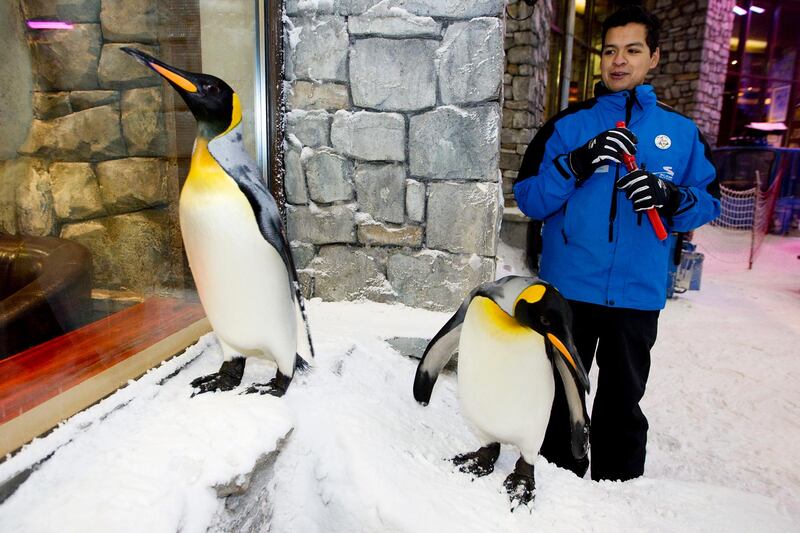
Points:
(300, 364)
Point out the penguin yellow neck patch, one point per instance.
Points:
(180, 81)
(236, 114)
(531, 295)
(205, 174)
(494, 316)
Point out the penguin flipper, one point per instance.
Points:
(576, 400)
(438, 352)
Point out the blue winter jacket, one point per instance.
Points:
(595, 247)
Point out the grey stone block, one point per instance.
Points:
(294, 179)
(320, 53)
(471, 62)
(321, 225)
(80, 100)
(375, 234)
(312, 128)
(310, 95)
(393, 24)
(346, 273)
(118, 70)
(12, 173)
(128, 251)
(381, 190)
(415, 200)
(393, 75)
(72, 10)
(370, 136)
(302, 253)
(76, 192)
(457, 9)
(34, 194)
(142, 117)
(453, 143)
(132, 184)
(67, 60)
(47, 106)
(329, 176)
(130, 20)
(436, 280)
(90, 135)
(464, 217)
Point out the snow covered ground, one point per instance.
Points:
(722, 402)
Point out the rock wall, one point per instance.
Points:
(695, 41)
(94, 167)
(392, 151)
(527, 46)
(16, 109)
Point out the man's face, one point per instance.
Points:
(625, 58)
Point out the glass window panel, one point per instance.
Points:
(94, 150)
(757, 43)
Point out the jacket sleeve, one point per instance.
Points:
(544, 181)
(699, 189)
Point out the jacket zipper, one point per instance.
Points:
(612, 214)
(563, 232)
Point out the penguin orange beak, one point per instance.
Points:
(570, 356)
(177, 77)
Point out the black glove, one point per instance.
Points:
(608, 146)
(647, 190)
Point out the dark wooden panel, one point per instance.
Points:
(38, 374)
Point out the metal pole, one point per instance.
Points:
(260, 91)
(566, 63)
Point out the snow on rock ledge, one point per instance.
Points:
(159, 461)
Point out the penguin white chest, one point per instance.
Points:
(241, 279)
(505, 380)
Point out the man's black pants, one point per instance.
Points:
(623, 339)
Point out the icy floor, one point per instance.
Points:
(363, 456)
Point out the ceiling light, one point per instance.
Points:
(739, 11)
(756, 9)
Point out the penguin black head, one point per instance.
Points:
(212, 101)
(542, 308)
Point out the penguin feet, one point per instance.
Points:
(277, 386)
(520, 485)
(480, 462)
(228, 377)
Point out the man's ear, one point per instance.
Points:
(655, 57)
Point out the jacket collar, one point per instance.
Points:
(642, 97)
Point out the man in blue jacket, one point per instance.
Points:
(598, 247)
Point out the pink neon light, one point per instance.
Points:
(49, 25)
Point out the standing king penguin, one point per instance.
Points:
(509, 334)
(234, 240)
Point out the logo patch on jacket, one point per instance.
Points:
(667, 174)
(663, 142)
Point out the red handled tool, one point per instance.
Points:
(652, 214)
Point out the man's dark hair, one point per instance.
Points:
(633, 13)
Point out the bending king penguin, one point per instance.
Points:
(234, 240)
(510, 333)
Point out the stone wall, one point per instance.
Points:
(527, 46)
(94, 166)
(392, 150)
(695, 41)
(16, 110)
